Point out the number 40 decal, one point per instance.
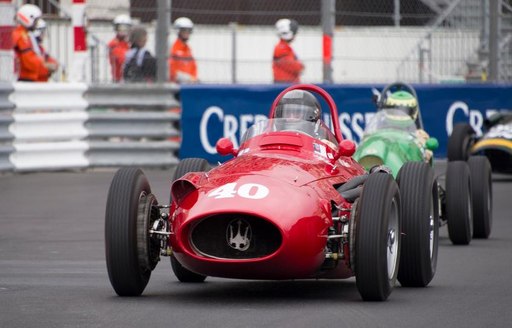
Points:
(247, 190)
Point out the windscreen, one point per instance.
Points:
(390, 119)
(317, 130)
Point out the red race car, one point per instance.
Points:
(291, 204)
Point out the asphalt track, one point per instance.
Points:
(53, 273)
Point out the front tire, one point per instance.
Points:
(459, 142)
(481, 192)
(420, 224)
(459, 211)
(130, 253)
(377, 249)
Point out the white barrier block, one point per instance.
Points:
(49, 156)
(33, 97)
(49, 126)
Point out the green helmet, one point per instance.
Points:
(404, 101)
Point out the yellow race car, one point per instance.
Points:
(495, 143)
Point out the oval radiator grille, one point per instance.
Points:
(235, 236)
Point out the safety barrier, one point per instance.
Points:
(150, 153)
(6, 119)
(30, 97)
(49, 156)
(135, 96)
(61, 126)
(116, 133)
(5, 90)
(56, 126)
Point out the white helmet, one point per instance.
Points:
(183, 22)
(122, 20)
(39, 28)
(28, 14)
(287, 28)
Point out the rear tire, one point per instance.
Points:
(377, 244)
(459, 142)
(130, 253)
(186, 166)
(459, 211)
(481, 192)
(420, 224)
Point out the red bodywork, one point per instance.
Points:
(276, 177)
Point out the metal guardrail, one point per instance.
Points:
(49, 126)
(5, 163)
(5, 133)
(30, 97)
(41, 156)
(136, 128)
(147, 153)
(5, 90)
(6, 119)
(134, 96)
(55, 126)
(157, 125)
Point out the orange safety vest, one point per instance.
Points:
(30, 65)
(181, 60)
(117, 52)
(285, 64)
(47, 59)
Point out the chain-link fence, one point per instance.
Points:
(374, 41)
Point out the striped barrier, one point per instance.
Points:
(56, 126)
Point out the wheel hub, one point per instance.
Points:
(392, 241)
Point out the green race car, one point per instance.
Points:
(391, 138)
(395, 138)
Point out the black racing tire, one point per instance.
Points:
(129, 252)
(459, 211)
(183, 274)
(420, 224)
(190, 165)
(185, 166)
(481, 192)
(378, 230)
(459, 142)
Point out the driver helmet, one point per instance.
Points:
(403, 101)
(298, 105)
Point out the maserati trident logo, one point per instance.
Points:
(239, 235)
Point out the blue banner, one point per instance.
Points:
(210, 112)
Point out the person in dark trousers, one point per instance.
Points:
(139, 64)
